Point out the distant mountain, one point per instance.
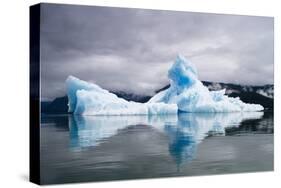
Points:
(250, 94)
(57, 106)
(265, 90)
(132, 97)
(247, 93)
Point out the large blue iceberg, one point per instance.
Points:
(185, 94)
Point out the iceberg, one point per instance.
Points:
(190, 95)
(185, 94)
(90, 99)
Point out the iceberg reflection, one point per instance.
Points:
(191, 128)
(184, 131)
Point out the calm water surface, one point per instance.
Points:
(98, 148)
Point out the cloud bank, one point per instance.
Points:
(132, 49)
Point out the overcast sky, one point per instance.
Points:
(132, 49)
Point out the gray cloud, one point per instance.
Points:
(132, 49)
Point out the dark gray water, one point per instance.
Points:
(98, 148)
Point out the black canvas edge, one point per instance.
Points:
(34, 94)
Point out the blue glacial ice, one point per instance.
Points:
(190, 95)
(90, 99)
(185, 94)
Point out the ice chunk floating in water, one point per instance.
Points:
(190, 95)
(89, 99)
(185, 94)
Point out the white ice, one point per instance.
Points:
(90, 99)
(185, 94)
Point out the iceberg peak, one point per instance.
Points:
(182, 74)
(73, 85)
(190, 95)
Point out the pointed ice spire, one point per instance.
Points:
(183, 73)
